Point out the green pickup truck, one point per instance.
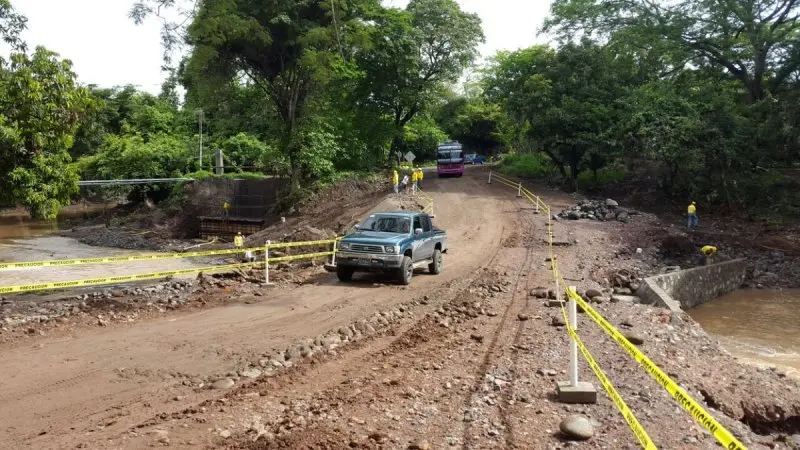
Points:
(393, 243)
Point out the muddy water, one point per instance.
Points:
(16, 223)
(758, 326)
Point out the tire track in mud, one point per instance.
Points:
(480, 378)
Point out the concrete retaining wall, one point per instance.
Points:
(688, 288)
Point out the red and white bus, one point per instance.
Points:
(450, 159)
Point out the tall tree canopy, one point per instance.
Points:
(41, 108)
(756, 41)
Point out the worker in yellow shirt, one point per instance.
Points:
(395, 180)
(225, 208)
(709, 251)
(238, 242)
(420, 176)
(692, 216)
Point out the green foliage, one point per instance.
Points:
(204, 175)
(244, 151)
(41, 107)
(757, 42)
(421, 137)
(527, 166)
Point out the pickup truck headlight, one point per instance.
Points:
(391, 249)
(344, 246)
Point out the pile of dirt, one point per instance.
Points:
(603, 211)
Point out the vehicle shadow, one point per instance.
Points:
(361, 280)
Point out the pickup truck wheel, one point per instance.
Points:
(344, 274)
(406, 271)
(436, 266)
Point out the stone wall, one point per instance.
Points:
(688, 288)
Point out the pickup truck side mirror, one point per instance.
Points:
(432, 216)
(417, 231)
(357, 226)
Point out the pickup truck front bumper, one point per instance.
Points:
(368, 261)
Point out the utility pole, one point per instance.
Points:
(200, 115)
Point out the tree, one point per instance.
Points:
(757, 41)
(476, 124)
(41, 107)
(414, 53)
(567, 101)
(285, 48)
(12, 25)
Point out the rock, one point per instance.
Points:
(572, 215)
(476, 337)
(420, 445)
(576, 427)
(250, 373)
(225, 434)
(523, 317)
(622, 216)
(591, 293)
(558, 321)
(598, 299)
(634, 338)
(225, 383)
(611, 203)
(625, 299)
(622, 291)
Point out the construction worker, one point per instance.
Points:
(709, 251)
(692, 216)
(238, 242)
(225, 208)
(413, 180)
(395, 180)
(420, 176)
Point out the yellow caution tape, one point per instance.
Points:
(623, 408)
(154, 256)
(107, 280)
(300, 244)
(146, 276)
(110, 259)
(722, 435)
(702, 416)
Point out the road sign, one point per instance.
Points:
(410, 157)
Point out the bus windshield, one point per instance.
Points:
(449, 154)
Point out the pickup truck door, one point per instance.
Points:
(427, 236)
(418, 245)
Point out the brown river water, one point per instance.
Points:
(760, 327)
(25, 239)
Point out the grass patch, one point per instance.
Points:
(527, 166)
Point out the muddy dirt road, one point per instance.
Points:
(96, 384)
(467, 359)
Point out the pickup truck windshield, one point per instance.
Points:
(386, 224)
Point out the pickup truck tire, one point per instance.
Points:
(344, 274)
(435, 266)
(406, 271)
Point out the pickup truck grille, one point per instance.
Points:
(366, 248)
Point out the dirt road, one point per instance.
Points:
(467, 359)
(95, 385)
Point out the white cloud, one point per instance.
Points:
(108, 49)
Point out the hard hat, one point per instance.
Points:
(239, 233)
(694, 203)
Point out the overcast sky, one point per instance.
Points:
(107, 49)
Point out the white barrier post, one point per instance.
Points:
(490, 177)
(333, 256)
(519, 189)
(572, 311)
(266, 263)
(573, 391)
(537, 205)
